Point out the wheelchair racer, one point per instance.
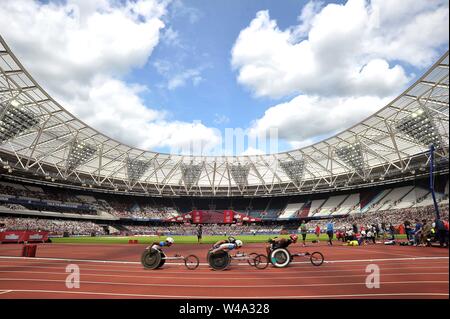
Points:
(226, 245)
(230, 240)
(275, 243)
(158, 245)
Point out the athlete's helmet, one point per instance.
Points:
(170, 240)
(294, 237)
(238, 243)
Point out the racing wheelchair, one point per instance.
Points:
(281, 257)
(155, 258)
(222, 259)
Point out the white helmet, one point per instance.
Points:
(170, 240)
(238, 243)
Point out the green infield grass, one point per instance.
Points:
(178, 239)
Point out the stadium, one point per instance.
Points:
(70, 194)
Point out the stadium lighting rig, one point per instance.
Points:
(240, 174)
(353, 156)
(294, 169)
(79, 153)
(190, 174)
(136, 168)
(15, 121)
(419, 126)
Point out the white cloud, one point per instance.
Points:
(303, 118)
(180, 79)
(341, 42)
(172, 37)
(176, 75)
(338, 62)
(180, 9)
(252, 151)
(309, 11)
(111, 101)
(221, 119)
(78, 50)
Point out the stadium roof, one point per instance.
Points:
(40, 139)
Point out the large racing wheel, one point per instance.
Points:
(280, 257)
(152, 259)
(219, 260)
(316, 258)
(163, 260)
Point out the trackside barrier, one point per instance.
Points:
(23, 236)
(133, 241)
(29, 250)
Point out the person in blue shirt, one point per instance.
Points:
(417, 232)
(330, 233)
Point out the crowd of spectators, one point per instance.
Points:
(388, 217)
(208, 229)
(133, 210)
(418, 224)
(48, 201)
(53, 226)
(19, 190)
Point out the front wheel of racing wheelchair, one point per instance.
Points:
(219, 260)
(280, 257)
(153, 259)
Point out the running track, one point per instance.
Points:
(114, 271)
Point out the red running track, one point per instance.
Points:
(114, 271)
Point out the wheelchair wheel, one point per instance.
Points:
(280, 257)
(316, 258)
(219, 261)
(151, 259)
(163, 260)
(191, 262)
(251, 259)
(261, 262)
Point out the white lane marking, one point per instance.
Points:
(221, 278)
(202, 269)
(228, 286)
(205, 264)
(71, 260)
(141, 271)
(410, 294)
(2, 292)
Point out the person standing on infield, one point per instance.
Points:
(330, 233)
(317, 231)
(303, 231)
(199, 233)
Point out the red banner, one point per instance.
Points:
(20, 236)
(196, 217)
(37, 236)
(228, 216)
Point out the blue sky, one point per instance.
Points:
(159, 74)
(206, 43)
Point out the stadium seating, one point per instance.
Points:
(291, 210)
(330, 205)
(349, 206)
(23, 206)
